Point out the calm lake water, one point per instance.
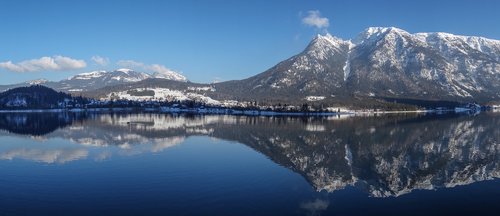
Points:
(160, 164)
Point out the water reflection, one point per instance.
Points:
(383, 156)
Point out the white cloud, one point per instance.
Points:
(314, 19)
(45, 63)
(102, 61)
(159, 71)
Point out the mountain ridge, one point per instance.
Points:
(380, 65)
(93, 80)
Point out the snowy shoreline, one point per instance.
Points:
(224, 111)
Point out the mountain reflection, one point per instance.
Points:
(387, 155)
(37, 124)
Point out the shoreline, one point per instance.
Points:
(225, 111)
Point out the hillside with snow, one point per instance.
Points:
(99, 79)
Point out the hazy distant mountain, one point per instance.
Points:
(98, 79)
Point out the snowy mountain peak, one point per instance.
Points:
(378, 30)
(98, 79)
(329, 38)
(170, 75)
(323, 45)
(87, 75)
(385, 62)
(128, 75)
(37, 82)
(372, 34)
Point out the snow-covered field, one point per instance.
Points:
(161, 94)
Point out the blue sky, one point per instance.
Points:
(205, 40)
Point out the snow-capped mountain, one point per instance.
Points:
(37, 82)
(385, 63)
(127, 75)
(170, 75)
(380, 66)
(391, 62)
(98, 79)
(317, 70)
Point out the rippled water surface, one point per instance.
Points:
(159, 164)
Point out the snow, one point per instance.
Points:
(275, 86)
(170, 75)
(347, 66)
(163, 94)
(205, 88)
(315, 128)
(126, 75)
(37, 81)
(315, 98)
(373, 34)
(321, 48)
(331, 39)
(88, 75)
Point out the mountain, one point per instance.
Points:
(391, 62)
(169, 75)
(380, 66)
(386, 63)
(317, 71)
(37, 97)
(99, 79)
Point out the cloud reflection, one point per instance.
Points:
(45, 156)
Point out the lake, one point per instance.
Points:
(162, 164)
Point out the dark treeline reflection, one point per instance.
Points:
(387, 155)
(38, 124)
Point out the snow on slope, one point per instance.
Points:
(87, 75)
(161, 94)
(37, 82)
(170, 75)
(453, 62)
(124, 75)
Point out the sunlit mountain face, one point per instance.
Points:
(384, 156)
